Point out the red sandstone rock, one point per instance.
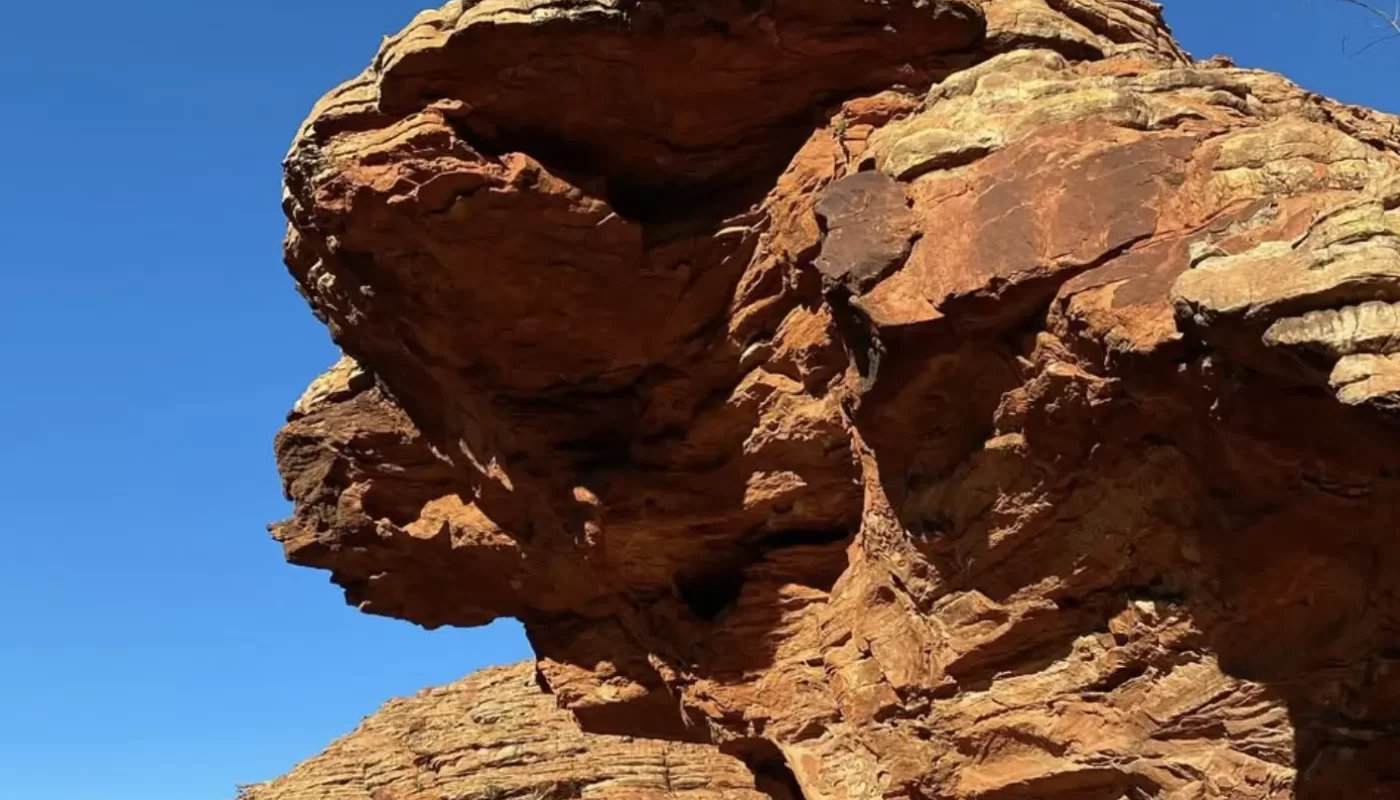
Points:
(970, 400)
(496, 735)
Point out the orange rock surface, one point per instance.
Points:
(950, 399)
(496, 735)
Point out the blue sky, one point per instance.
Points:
(153, 646)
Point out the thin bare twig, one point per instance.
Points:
(1390, 19)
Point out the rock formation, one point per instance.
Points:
(496, 735)
(959, 399)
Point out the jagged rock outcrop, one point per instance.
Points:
(966, 398)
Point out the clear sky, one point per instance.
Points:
(153, 646)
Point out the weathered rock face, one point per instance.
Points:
(496, 735)
(968, 399)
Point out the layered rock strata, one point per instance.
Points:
(497, 735)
